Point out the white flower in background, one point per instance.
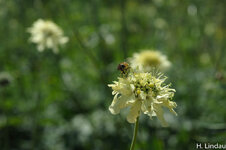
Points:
(47, 34)
(142, 92)
(102, 122)
(5, 78)
(192, 10)
(146, 60)
(82, 125)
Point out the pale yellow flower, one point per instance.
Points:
(47, 35)
(142, 92)
(146, 60)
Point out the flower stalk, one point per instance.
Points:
(134, 134)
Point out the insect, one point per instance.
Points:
(123, 67)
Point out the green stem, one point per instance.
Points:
(134, 134)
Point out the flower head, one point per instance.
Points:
(47, 34)
(142, 92)
(148, 59)
(5, 79)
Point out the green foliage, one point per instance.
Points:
(60, 101)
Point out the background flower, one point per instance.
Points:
(47, 34)
(147, 60)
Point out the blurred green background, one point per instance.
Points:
(60, 101)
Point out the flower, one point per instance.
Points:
(47, 34)
(5, 79)
(148, 59)
(142, 92)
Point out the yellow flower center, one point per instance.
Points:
(150, 59)
(146, 87)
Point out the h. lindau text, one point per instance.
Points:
(210, 146)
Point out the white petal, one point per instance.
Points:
(64, 40)
(159, 113)
(117, 104)
(49, 43)
(134, 112)
(143, 95)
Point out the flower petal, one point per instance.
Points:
(159, 114)
(134, 112)
(117, 104)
